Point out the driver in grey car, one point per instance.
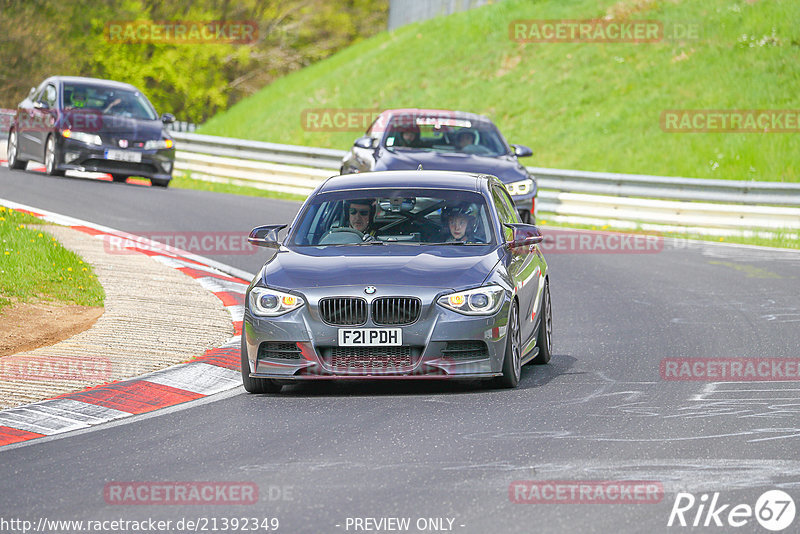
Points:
(360, 213)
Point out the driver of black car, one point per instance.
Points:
(407, 136)
(465, 139)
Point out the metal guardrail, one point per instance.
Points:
(705, 206)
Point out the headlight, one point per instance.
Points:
(158, 144)
(267, 302)
(480, 301)
(83, 137)
(523, 187)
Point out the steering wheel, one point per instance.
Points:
(342, 235)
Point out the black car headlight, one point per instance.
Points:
(266, 302)
(479, 301)
(523, 187)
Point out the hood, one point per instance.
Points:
(448, 267)
(139, 129)
(506, 167)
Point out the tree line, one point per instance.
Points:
(191, 78)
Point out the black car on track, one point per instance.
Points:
(435, 139)
(93, 125)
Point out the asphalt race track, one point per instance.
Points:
(323, 453)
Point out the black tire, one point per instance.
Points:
(118, 178)
(544, 339)
(256, 385)
(155, 182)
(13, 149)
(512, 368)
(51, 157)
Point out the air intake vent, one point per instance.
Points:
(278, 350)
(465, 350)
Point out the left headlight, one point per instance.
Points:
(83, 137)
(267, 302)
(523, 187)
(158, 144)
(479, 301)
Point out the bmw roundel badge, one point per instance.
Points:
(369, 290)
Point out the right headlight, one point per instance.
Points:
(266, 302)
(479, 301)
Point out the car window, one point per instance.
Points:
(395, 217)
(444, 134)
(49, 95)
(505, 210)
(108, 101)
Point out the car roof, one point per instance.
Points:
(434, 113)
(407, 179)
(92, 81)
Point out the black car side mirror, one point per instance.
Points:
(363, 142)
(521, 151)
(167, 118)
(266, 236)
(524, 235)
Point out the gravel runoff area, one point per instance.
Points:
(155, 316)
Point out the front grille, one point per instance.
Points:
(396, 311)
(343, 311)
(375, 359)
(277, 350)
(465, 350)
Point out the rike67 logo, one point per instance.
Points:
(774, 510)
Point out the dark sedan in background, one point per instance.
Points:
(399, 275)
(88, 124)
(401, 139)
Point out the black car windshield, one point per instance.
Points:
(108, 101)
(395, 217)
(444, 134)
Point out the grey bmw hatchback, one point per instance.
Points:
(398, 275)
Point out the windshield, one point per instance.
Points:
(444, 134)
(395, 217)
(108, 101)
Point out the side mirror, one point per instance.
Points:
(266, 236)
(525, 235)
(30, 93)
(521, 151)
(363, 142)
(167, 118)
(40, 105)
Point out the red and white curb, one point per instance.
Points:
(215, 371)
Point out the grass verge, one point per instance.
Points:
(590, 105)
(34, 265)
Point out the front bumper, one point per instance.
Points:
(78, 156)
(430, 346)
